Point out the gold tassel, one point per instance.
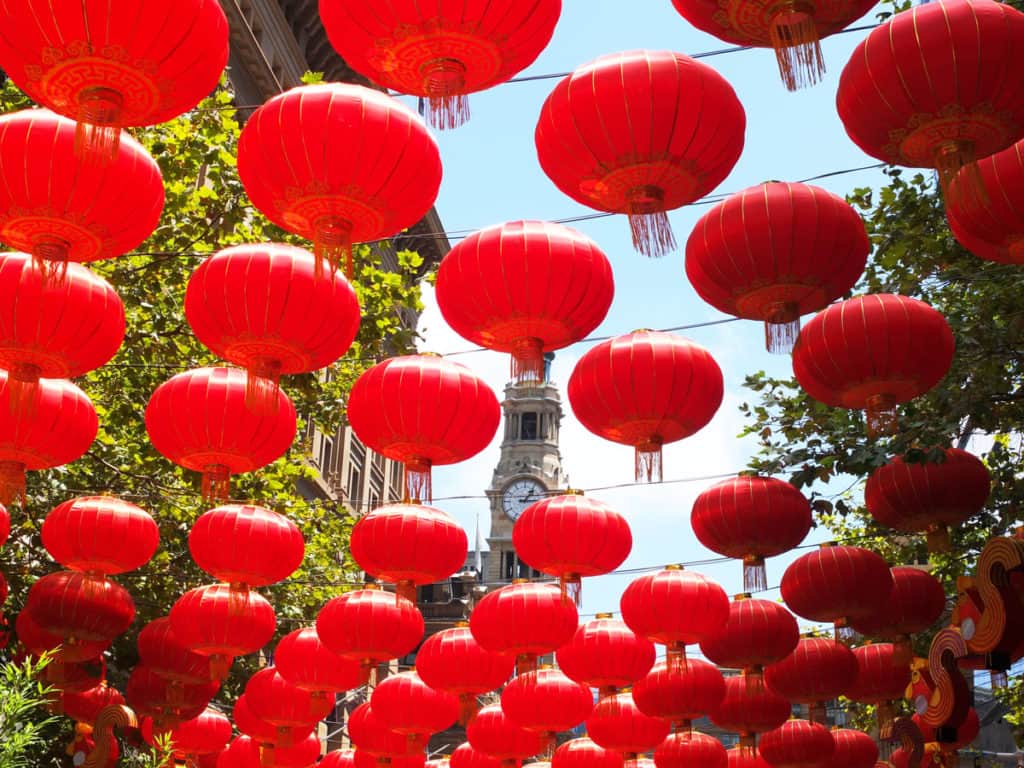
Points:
(794, 36)
(444, 83)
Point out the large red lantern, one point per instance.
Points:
(928, 497)
(525, 620)
(199, 420)
(751, 518)
(441, 53)
(261, 307)
(916, 602)
(584, 753)
(337, 198)
(926, 88)
(363, 759)
(744, 757)
(100, 534)
(275, 700)
(154, 696)
(546, 701)
(246, 752)
(606, 654)
(690, 750)
(757, 633)
(423, 411)
(895, 348)
(59, 430)
(680, 696)
(676, 608)
(748, 711)
(204, 735)
(305, 662)
(571, 536)
(409, 545)
(880, 680)
(266, 733)
(612, 137)
(757, 255)
(495, 734)
(80, 606)
(853, 749)
(467, 756)
(36, 640)
(991, 226)
(54, 329)
(797, 744)
(338, 758)
(487, 291)
(162, 651)
(84, 707)
(618, 724)
(837, 584)
(222, 623)
(371, 734)
(408, 705)
(818, 670)
(646, 389)
(246, 545)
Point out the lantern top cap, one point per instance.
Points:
(372, 586)
(675, 567)
(643, 330)
(827, 544)
(429, 354)
(604, 615)
(573, 492)
(461, 624)
(520, 581)
(742, 596)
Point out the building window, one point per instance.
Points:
(326, 455)
(529, 426)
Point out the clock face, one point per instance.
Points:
(519, 495)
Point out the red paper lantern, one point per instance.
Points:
(818, 670)
(525, 620)
(797, 744)
(54, 329)
(408, 705)
(757, 255)
(36, 640)
(749, 710)
(837, 584)
(364, 759)
(487, 291)
(690, 750)
(546, 701)
(204, 735)
(221, 623)
(339, 758)
(440, 53)
(423, 411)
(494, 733)
(162, 651)
(465, 756)
(370, 626)
(880, 680)
(266, 733)
(409, 545)
(991, 226)
(246, 545)
(894, 348)
(570, 536)
(262, 307)
(80, 607)
(606, 654)
(100, 534)
(751, 518)
(744, 757)
(853, 749)
(337, 198)
(167, 703)
(675, 608)
(76, 678)
(926, 88)
(584, 753)
(612, 137)
(305, 662)
(84, 707)
(680, 695)
(199, 420)
(275, 700)
(453, 661)
(59, 430)
(245, 752)
(928, 497)
(757, 633)
(371, 734)
(618, 724)
(646, 389)
(916, 602)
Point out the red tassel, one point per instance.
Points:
(881, 415)
(23, 388)
(886, 715)
(794, 36)
(332, 243)
(903, 651)
(51, 256)
(12, 482)
(216, 485)
(571, 586)
(648, 461)
(444, 83)
(262, 382)
(417, 481)
(528, 361)
(526, 662)
(748, 745)
(98, 135)
(675, 657)
(406, 589)
(648, 222)
(753, 677)
(220, 666)
(468, 707)
(267, 755)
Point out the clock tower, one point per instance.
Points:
(530, 468)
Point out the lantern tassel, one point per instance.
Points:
(748, 745)
(267, 755)
(23, 389)
(468, 707)
(51, 256)
(754, 679)
(652, 234)
(755, 576)
(794, 36)
(444, 82)
(571, 586)
(238, 600)
(216, 483)
(406, 589)
(12, 482)
(938, 539)
(886, 715)
(332, 243)
(816, 712)
(220, 666)
(998, 679)
(448, 112)
(417, 481)
(675, 657)
(648, 461)
(781, 327)
(902, 651)
(959, 174)
(526, 662)
(528, 361)
(262, 382)
(881, 415)
(98, 135)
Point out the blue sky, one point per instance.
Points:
(491, 175)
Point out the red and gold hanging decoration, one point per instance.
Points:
(757, 633)
(818, 670)
(606, 654)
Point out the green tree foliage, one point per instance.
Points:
(24, 721)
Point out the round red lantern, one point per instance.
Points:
(676, 608)
(261, 307)
(926, 89)
(204, 735)
(246, 752)
(584, 753)
(276, 701)
(199, 420)
(646, 389)
(453, 661)
(757, 255)
(612, 137)
(59, 430)
(440, 53)
(546, 701)
(928, 497)
(389, 412)
(78, 677)
(267, 733)
(690, 750)
(494, 733)
(246, 545)
(751, 518)
(837, 584)
(757, 633)
(84, 707)
(100, 534)
(408, 705)
(409, 545)
(487, 291)
(525, 620)
(680, 695)
(36, 640)
(339, 758)
(748, 711)
(221, 623)
(80, 607)
(853, 749)
(797, 744)
(54, 329)
(818, 670)
(364, 759)
(618, 724)
(305, 662)
(168, 703)
(895, 349)
(370, 626)
(571, 536)
(916, 602)
(606, 654)
(370, 734)
(745, 757)
(466, 756)
(337, 198)
(880, 680)
(162, 651)
(991, 226)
